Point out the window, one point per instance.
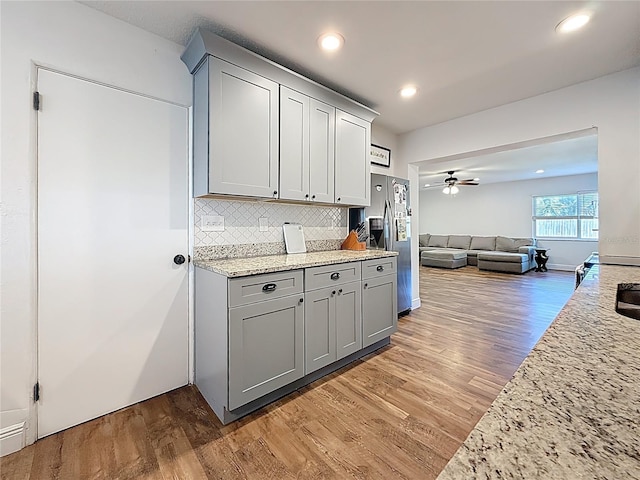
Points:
(572, 216)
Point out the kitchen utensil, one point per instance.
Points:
(294, 238)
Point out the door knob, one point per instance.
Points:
(179, 259)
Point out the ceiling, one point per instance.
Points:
(464, 57)
(571, 154)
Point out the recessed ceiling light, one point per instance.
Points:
(408, 91)
(540, 171)
(572, 23)
(331, 41)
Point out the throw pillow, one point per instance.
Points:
(483, 243)
(438, 241)
(424, 239)
(506, 244)
(524, 242)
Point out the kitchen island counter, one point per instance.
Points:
(241, 267)
(572, 409)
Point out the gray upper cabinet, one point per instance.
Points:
(352, 165)
(262, 130)
(294, 145)
(307, 145)
(322, 124)
(236, 132)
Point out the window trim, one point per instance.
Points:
(579, 198)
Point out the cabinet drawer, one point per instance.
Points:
(378, 267)
(258, 288)
(326, 276)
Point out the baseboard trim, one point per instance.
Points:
(12, 439)
(562, 267)
(415, 303)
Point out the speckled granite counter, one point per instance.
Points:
(240, 267)
(572, 409)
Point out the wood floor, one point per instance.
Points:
(400, 413)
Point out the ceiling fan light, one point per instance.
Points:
(454, 190)
(446, 190)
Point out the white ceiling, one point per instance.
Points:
(571, 154)
(464, 56)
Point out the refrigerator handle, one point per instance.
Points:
(388, 219)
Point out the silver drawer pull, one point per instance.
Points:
(269, 287)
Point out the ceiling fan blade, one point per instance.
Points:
(467, 183)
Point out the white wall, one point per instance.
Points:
(505, 209)
(74, 39)
(385, 138)
(610, 103)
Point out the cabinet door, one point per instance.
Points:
(352, 165)
(348, 319)
(322, 124)
(379, 308)
(243, 131)
(266, 342)
(294, 145)
(319, 329)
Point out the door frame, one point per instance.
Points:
(31, 427)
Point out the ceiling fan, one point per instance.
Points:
(451, 183)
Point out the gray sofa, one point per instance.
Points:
(501, 254)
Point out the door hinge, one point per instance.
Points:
(36, 100)
(36, 392)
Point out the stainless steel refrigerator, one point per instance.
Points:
(388, 224)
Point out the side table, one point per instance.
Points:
(541, 259)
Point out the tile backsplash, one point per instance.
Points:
(324, 227)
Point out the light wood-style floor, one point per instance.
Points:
(401, 413)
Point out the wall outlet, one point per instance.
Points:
(264, 224)
(212, 223)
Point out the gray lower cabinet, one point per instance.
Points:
(333, 324)
(379, 300)
(333, 320)
(258, 336)
(265, 348)
(319, 329)
(348, 319)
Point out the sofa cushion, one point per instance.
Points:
(423, 239)
(525, 242)
(445, 254)
(503, 257)
(438, 241)
(459, 241)
(506, 244)
(483, 243)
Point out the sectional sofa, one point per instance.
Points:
(500, 254)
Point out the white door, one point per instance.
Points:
(112, 214)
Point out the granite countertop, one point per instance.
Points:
(241, 267)
(572, 409)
